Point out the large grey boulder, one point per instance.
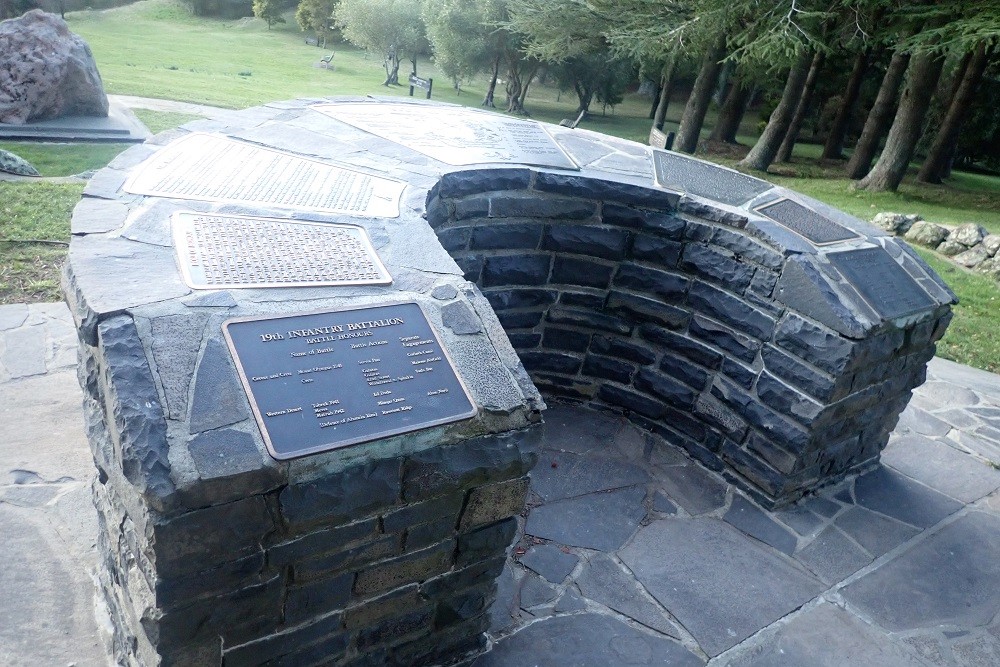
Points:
(968, 234)
(46, 71)
(926, 234)
(897, 223)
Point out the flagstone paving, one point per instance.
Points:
(630, 553)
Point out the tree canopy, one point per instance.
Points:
(393, 28)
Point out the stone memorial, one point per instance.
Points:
(299, 464)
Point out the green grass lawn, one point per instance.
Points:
(238, 64)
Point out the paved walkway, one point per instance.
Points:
(632, 554)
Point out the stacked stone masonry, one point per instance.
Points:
(669, 310)
(721, 330)
(388, 562)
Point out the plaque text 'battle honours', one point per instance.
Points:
(320, 381)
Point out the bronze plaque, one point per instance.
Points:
(234, 251)
(320, 381)
(207, 167)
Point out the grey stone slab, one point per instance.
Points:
(876, 533)
(603, 580)
(929, 648)
(718, 583)
(958, 418)
(602, 521)
(96, 216)
(176, 341)
(753, 521)
(13, 315)
(550, 561)
(503, 612)
(825, 636)
(572, 428)
(661, 503)
(566, 475)
(952, 577)
(218, 397)
(833, 556)
(889, 492)
(585, 640)
(799, 519)
(24, 352)
(942, 467)
(985, 442)
(47, 617)
(982, 650)
(536, 591)
(459, 318)
(210, 300)
(920, 421)
(947, 394)
(694, 489)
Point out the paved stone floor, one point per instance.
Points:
(631, 554)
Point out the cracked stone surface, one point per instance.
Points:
(630, 554)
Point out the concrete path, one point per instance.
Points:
(631, 554)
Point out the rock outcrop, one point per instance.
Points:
(46, 71)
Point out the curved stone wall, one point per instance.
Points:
(690, 318)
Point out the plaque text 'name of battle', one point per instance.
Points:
(320, 381)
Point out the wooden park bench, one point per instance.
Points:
(327, 61)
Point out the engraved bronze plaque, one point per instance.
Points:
(684, 174)
(206, 167)
(320, 381)
(806, 222)
(234, 251)
(454, 135)
(883, 283)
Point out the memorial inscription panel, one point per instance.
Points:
(207, 167)
(234, 251)
(456, 135)
(806, 222)
(676, 172)
(883, 283)
(320, 381)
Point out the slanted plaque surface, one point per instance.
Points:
(206, 167)
(883, 283)
(454, 135)
(320, 381)
(676, 172)
(232, 251)
(806, 222)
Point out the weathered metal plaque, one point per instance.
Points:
(676, 172)
(233, 251)
(454, 135)
(883, 283)
(206, 167)
(806, 222)
(320, 381)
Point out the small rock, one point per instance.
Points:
(972, 257)
(968, 234)
(992, 244)
(926, 234)
(991, 268)
(897, 223)
(13, 164)
(951, 248)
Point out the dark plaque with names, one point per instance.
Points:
(881, 281)
(806, 222)
(320, 381)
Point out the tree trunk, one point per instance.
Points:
(732, 112)
(879, 117)
(888, 172)
(656, 99)
(585, 95)
(701, 95)
(939, 157)
(491, 90)
(801, 109)
(665, 90)
(762, 154)
(833, 149)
